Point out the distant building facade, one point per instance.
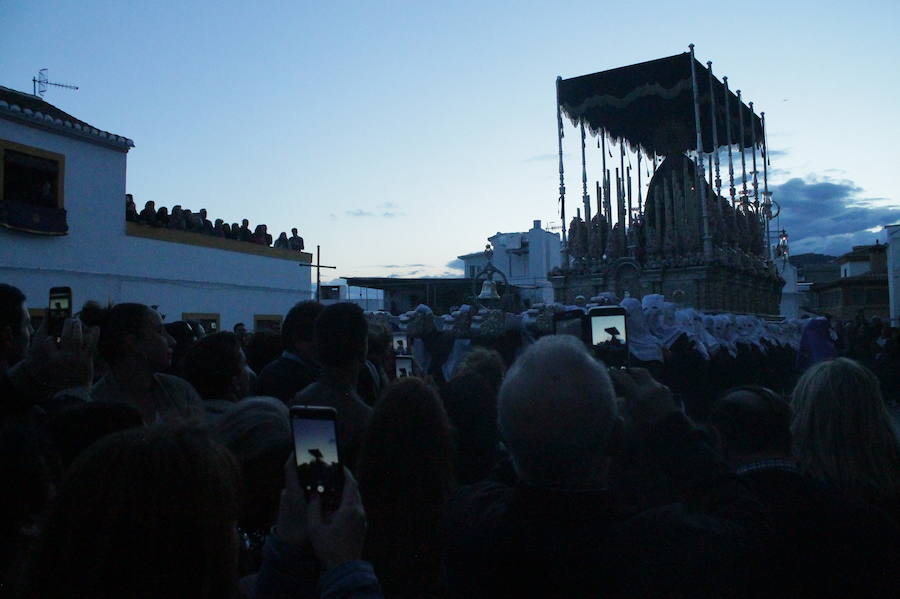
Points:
(62, 211)
(401, 295)
(525, 258)
(862, 287)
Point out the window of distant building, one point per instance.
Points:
(267, 322)
(31, 189)
(472, 272)
(209, 321)
(31, 176)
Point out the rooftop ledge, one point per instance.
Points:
(218, 243)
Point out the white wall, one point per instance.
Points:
(527, 270)
(852, 269)
(99, 261)
(790, 293)
(893, 258)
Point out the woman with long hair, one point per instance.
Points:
(843, 435)
(405, 479)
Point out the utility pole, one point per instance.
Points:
(318, 266)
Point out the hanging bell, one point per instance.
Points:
(488, 291)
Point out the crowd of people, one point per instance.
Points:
(150, 459)
(183, 219)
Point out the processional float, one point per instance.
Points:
(682, 233)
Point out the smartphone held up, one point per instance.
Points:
(319, 467)
(608, 327)
(59, 309)
(604, 329)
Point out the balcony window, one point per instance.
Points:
(31, 189)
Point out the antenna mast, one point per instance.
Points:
(40, 83)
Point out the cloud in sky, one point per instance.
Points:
(402, 265)
(456, 266)
(830, 215)
(383, 210)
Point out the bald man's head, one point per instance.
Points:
(556, 412)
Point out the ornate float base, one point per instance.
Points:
(709, 287)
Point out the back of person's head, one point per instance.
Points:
(299, 324)
(556, 413)
(753, 421)
(142, 513)
(13, 341)
(260, 348)
(341, 331)
(842, 432)
(488, 363)
(379, 340)
(27, 472)
(119, 323)
(258, 433)
(405, 477)
(185, 338)
(407, 446)
(75, 428)
(92, 314)
(215, 367)
(471, 404)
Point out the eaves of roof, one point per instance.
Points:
(34, 111)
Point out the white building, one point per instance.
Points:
(792, 293)
(62, 207)
(525, 259)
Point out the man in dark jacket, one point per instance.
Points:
(556, 529)
(296, 367)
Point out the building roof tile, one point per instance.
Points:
(36, 110)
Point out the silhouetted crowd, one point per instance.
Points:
(150, 459)
(183, 219)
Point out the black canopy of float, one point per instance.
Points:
(650, 104)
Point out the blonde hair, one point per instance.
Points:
(842, 432)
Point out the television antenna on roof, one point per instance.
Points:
(40, 83)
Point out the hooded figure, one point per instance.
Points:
(709, 327)
(723, 330)
(641, 344)
(748, 331)
(816, 344)
(652, 306)
(690, 324)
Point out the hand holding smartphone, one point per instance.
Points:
(403, 366)
(316, 449)
(59, 309)
(400, 344)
